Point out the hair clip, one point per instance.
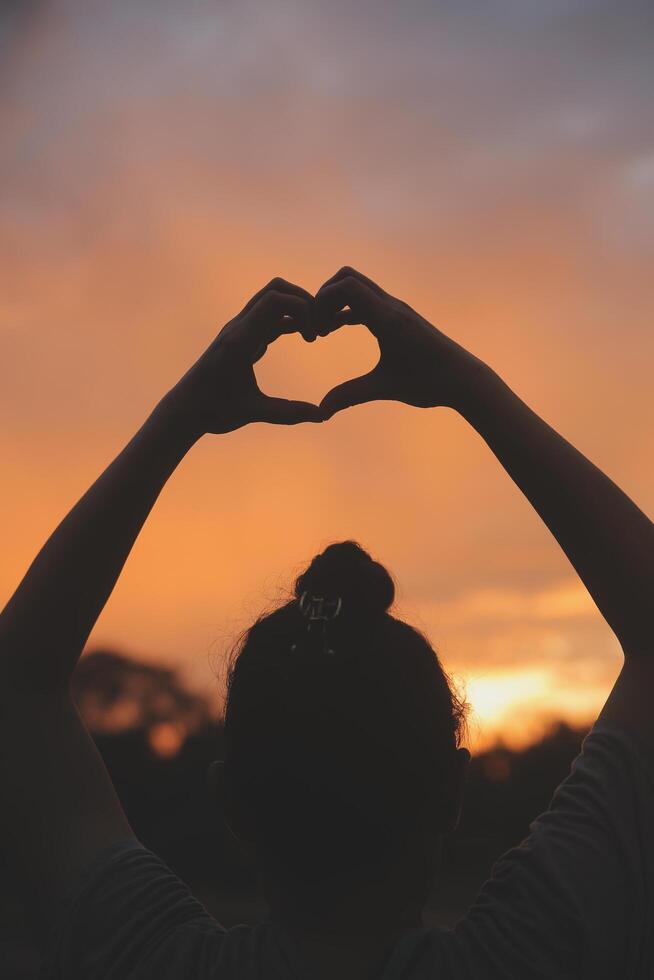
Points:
(317, 609)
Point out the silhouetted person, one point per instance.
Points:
(343, 768)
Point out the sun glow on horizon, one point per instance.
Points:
(516, 707)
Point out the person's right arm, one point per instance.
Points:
(606, 537)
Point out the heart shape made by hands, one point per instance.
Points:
(293, 368)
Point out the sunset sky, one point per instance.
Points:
(490, 163)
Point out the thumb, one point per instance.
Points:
(282, 411)
(367, 388)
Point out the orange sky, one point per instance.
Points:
(158, 168)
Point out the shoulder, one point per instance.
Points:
(629, 705)
(127, 909)
(578, 889)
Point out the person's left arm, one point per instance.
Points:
(59, 806)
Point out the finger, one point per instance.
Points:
(340, 319)
(347, 270)
(364, 305)
(286, 325)
(348, 291)
(310, 332)
(290, 324)
(278, 285)
(275, 306)
(282, 411)
(367, 388)
(275, 314)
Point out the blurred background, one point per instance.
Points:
(490, 163)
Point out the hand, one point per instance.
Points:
(417, 365)
(220, 392)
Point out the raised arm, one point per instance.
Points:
(59, 807)
(608, 540)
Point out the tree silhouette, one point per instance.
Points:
(117, 694)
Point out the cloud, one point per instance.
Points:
(490, 164)
(562, 601)
(418, 100)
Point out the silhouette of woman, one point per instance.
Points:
(343, 766)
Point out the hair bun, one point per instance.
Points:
(345, 570)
